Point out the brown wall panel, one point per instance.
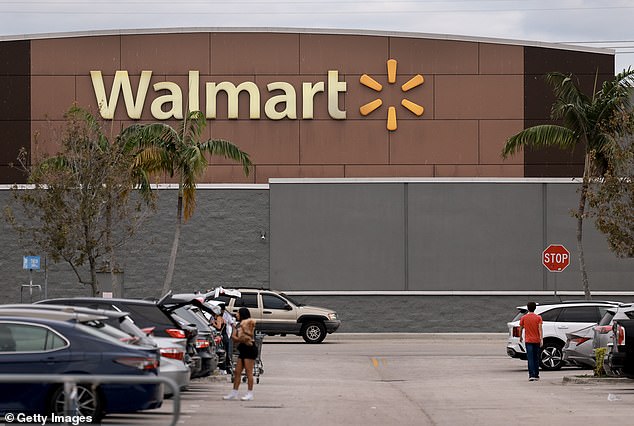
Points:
(501, 59)
(264, 173)
(540, 60)
(53, 96)
(266, 142)
(479, 97)
(493, 136)
(435, 142)
(15, 57)
(350, 142)
(75, 56)
(428, 56)
(255, 53)
(468, 170)
(15, 102)
(13, 135)
(47, 138)
(174, 54)
(227, 174)
(354, 54)
(390, 171)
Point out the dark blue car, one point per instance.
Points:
(40, 346)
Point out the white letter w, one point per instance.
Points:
(121, 81)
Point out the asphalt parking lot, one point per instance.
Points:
(421, 379)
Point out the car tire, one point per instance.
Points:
(551, 356)
(88, 398)
(314, 332)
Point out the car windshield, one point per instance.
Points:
(294, 302)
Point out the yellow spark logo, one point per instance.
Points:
(414, 108)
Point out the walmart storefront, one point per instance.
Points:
(378, 184)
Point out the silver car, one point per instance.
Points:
(603, 332)
(578, 349)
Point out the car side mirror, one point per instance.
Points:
(288, 307)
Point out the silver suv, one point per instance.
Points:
(559, 318)
(276, 313)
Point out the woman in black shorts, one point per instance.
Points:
(244, 335)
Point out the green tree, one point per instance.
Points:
(79, 207)
(611, 199)
(585, 121)
(180, 152)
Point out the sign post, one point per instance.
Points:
(30, 263)
(556, 258)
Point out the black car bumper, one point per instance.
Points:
(332, 325)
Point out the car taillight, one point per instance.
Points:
(620, 335)
(176, 332)
(139, 363)
(579, 340)
(603, 329)
(202, 343)
(173, 353)
(516, 332)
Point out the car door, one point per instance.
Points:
(27, 348)
(278, 315)
(573, 318)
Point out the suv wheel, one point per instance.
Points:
(551, 356)
(314, 332)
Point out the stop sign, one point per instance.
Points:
(556, 258)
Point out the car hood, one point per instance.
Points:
(316, 310)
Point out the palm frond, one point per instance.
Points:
(540, 136)
(227, 150)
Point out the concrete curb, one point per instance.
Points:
(418, 336)
(589, 380)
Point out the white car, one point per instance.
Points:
(558, 319)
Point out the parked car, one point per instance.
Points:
(621, 355)
(46, 346)
(275, 313)
(579, 349)
(558, 319)
(603, 333)
(150, 317)
(118, 325)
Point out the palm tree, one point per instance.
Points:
(159, 148)
(585, 121)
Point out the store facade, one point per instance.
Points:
(383, 119)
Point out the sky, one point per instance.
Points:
(595, 23)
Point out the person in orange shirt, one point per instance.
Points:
(531, 325)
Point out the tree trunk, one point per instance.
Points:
(580, 213)
(94, 283)
(167, 285)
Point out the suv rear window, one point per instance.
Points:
(607, 318)
(147, 315)
(579, 314)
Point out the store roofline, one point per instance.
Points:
(286, 30)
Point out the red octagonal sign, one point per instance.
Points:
(556, 258)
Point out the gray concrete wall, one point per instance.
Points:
(220, 245)
(432, 236)
(437, 238)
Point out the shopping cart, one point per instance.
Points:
(258, 366)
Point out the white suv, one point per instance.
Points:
(559, 318)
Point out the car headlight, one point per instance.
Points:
(332, 316)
